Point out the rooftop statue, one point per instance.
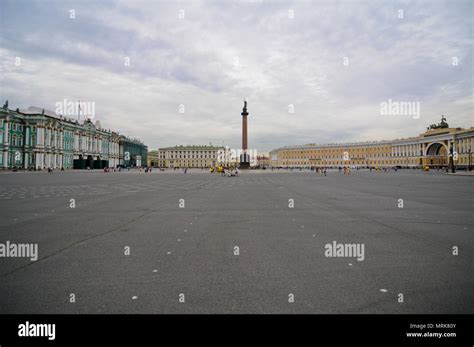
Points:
(441, 125)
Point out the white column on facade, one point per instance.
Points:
(6, 137)
(27, 136)
(38, 136)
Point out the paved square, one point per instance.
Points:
(281, 250)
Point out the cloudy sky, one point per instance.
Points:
(312, 72)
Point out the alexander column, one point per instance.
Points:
(244, 158)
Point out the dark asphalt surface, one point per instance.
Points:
(190, 250)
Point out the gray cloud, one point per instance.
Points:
(223, 51)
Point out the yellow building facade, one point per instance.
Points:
(152, 158)
(432, 148)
